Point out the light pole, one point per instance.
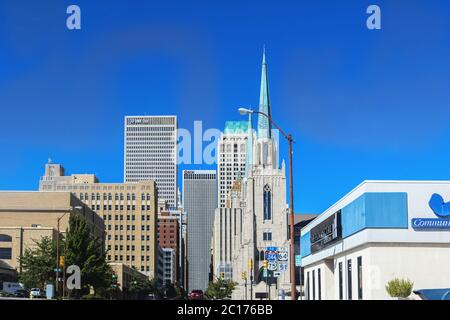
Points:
(57, 249)
(288, 137)
(57, 254)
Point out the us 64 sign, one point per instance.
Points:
(283, 256)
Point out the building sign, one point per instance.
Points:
(441, 209)
(326, 233)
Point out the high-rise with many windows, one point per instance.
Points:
(199, 201)
(128, 210)
(231, 158)
(151, 153)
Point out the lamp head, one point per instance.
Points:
(244, 111)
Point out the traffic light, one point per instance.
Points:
(244, 275)
(61, 261)
(250, 263)
(222, 275)
(265, 264)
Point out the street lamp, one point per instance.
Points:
(288, 137)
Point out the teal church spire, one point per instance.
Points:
(264, 125)
(249, 152)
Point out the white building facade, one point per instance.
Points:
(231, 158)
(379, 231)
(151, 153)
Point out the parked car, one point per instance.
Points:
(22, 293)
(196, 295)
(37, 293)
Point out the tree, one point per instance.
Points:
(220, 289)
(38, 264)
(80, 248)
(140, 287)
(86, 251)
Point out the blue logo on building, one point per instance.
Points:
(441, 209)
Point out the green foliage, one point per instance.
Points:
(400, 288)
(172, 291)
(141, 287)
(85, 251)
(38, 264)
(220, 289)
(79, 248)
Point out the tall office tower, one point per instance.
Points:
(200, 201)
(128, 210)
(231, 159)
(151, 153)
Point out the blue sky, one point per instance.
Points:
(361, 104)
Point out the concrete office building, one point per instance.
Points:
(169, 238)
(169, 260)
(199, 202)
(128, 209)
(151, 153)
(379, 231)
(27, 217)
(231, 158)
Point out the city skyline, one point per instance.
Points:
(369, 125)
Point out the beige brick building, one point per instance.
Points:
(125, 275)
(128, 209)
(26, 217)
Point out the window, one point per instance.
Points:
(267, 202)
(341, 295)
(267, 236)
(5, 238)
(319, 285)
(349, 279)
(314, 285)
(360, 289)
(6, 253)
(308, 286)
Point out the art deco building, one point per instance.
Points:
(231, 157)
(128, 210)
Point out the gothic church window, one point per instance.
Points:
(267, 202)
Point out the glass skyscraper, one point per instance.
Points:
(199, 201)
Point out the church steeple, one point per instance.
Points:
(264, 125)
(249, 153)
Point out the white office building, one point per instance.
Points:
(231, 158)
(380, 231)
(151, 153)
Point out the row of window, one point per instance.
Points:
(311, 286)
(118, 207)
(128, 237)
(120, 217)
(117, 196)
(132, 227)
